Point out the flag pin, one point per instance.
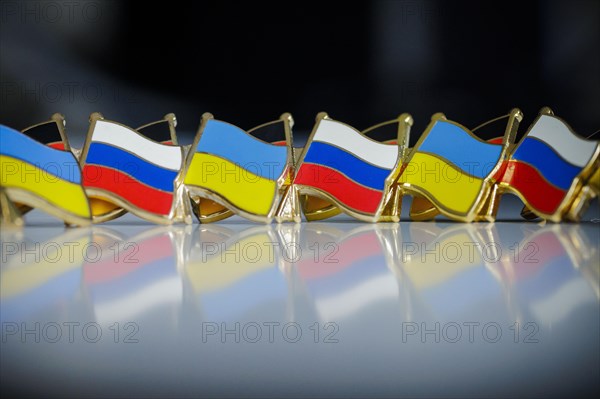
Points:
(125, 169)
(161, 131)
(422, 209)
(342, 169)
(456, 178)
(249, 173)
(552, 170)
(39, 170)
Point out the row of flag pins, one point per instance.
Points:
(259, 174)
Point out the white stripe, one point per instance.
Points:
(166, 156)
(557, 135)
(343, 136)
(564, 301)
(350, 301)
(164, 292)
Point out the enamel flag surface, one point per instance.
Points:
(162, 131)
(126, 168)
(450, 167)
(237, 170)
(344, 166)
(40, 176)
(546, 165)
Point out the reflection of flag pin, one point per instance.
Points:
(340, 165)
(138, 275)
(447, 269)
(552, 170)
(33, 281)
(229, 169)
(549, 278)
(353, 272)
(452, 168)
(232, 275)
(142, 176)
(162, 131)
(41, 174)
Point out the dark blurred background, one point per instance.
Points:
(363, 62)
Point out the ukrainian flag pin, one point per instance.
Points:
(249, 173)
(451, 171)
(422, 209)
(38, 170)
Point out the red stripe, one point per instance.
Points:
(134, 257)
(168, 142)
(138, 194)
(58, 145)
(346, 191)
(540, 194)
(333, 258)
(279, 143)
(534, 255)
(499, 175)
(497, 140)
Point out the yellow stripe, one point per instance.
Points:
(54, 260)
(447, 186)
(436, 262)
(240, 259)
(60, 193)
(243, 189)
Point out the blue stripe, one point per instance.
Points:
(240, 298)
(460, 294)
(61, 164)
(141, 170)
(451, 142)
(542, 157)
(235, 145)
(355, 168)
(351, 276)
(554, 274)
(58, 289)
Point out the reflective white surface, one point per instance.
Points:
(337, 309)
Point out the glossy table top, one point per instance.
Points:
(332, 309)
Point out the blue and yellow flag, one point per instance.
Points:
(229, 166)
(40, 176)
(236, 273)
(39, 275)
(451, 167)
